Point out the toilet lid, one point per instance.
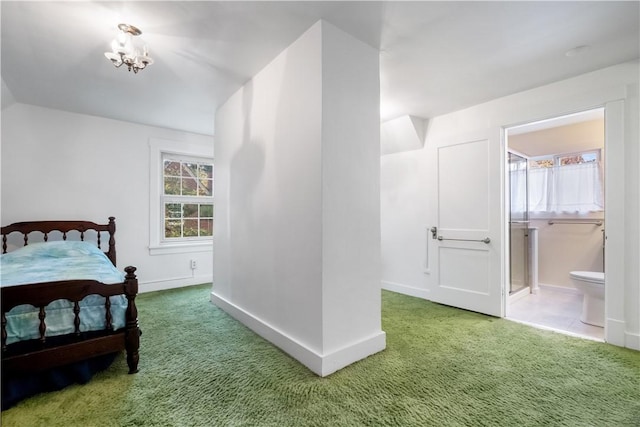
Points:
(588, 276)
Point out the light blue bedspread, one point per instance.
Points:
(53, 261)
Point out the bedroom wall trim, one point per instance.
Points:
(318, 363)
(345, 356)
(405, 289)
(632, 340)
(173, 283)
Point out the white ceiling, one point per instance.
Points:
(435, 57)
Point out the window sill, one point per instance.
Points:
(181, 248)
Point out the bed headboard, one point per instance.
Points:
(64, 227)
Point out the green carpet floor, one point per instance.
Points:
(442, 367)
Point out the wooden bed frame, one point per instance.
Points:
(51, 352)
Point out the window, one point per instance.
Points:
(187, 197)
(181, 206)
(570, 183)
(565, 159)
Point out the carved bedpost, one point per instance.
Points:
(132, 332)
(112, 241)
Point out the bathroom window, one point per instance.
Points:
(565, 159)
(566, 183)
(577, 158)
(541, 162)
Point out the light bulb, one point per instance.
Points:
(119, 44)
(115, 59)
(128, 45)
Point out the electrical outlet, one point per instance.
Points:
(193, 264)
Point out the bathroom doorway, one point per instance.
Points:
(555, 193)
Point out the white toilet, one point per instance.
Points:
(591, 285)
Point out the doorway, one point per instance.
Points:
(555, 193)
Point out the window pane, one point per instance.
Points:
(206, 227)
(189, 187)
(172, 228)
(190, 170)
(206, 187)
(172, 186)
(171, 168)
(541, 163)
(186, 181)
(190, 227)
(570, 160)
(206, 211)
(173, 210)
(190, 210)
(206, 171)
(578, 158)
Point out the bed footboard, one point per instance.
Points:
(50, 352)
(53, 351)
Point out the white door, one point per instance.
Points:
(465, 256)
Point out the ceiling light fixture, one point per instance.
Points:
(123, 50)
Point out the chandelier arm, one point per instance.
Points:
(120, 63)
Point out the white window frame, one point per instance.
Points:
(181, 199)
(157, 243)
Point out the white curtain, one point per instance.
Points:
(574, 188)
(539, 189)
(518, 184)
(577, 188)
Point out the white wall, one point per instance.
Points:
(297, 201)
(567, 247)
(61, 165)
(350, 190)
(405, 188)
(267, 183)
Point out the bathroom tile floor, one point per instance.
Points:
(553, 309)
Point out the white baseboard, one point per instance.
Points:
(614, 332)
(632, 341)
(177, 282)
(614, 329)
(347, 355)
(320, 364)
(556, 288)
(406, 290)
